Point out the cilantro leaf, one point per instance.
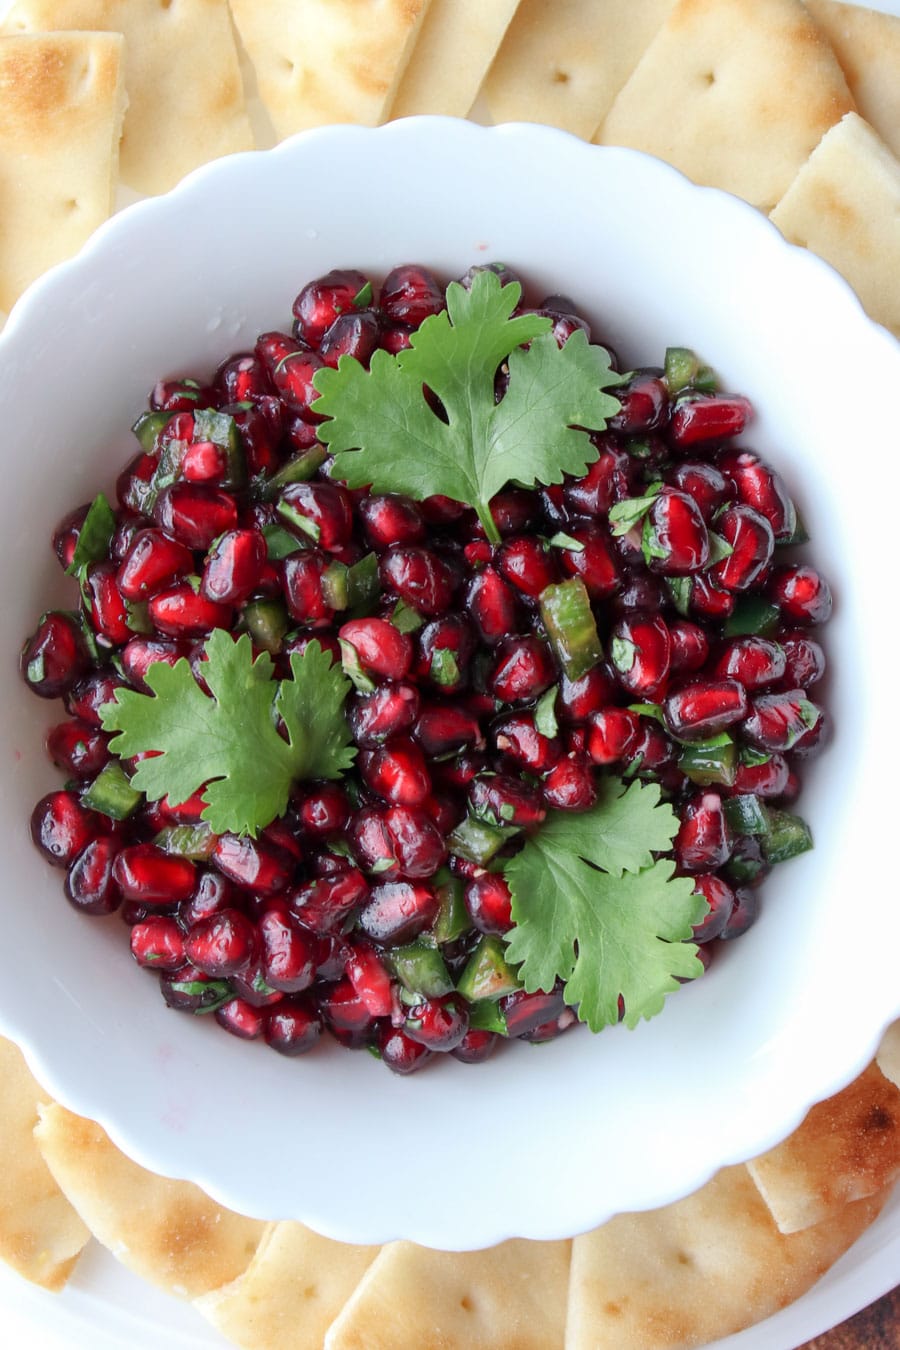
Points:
(382, 429)
(230, 741)
(97, 529)
(592, 907)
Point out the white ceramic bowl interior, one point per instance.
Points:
(539, 1142)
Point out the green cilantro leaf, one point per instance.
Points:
(383, 430)
(626, 513)
(97, 529)
(230, 741)
(591, 906)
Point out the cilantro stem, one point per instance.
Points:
(489, 524)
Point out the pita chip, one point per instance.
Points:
(867, 45)
(167, 1232)
(564, 63)
(847, 1148)
(185, 94)
(323, 61)
(61, 107)
(457, 42)
(888, 1057)
(291, 1292)
(844, 204)
(734, 93)
(698, 1270)
(509, 1297)
(41, 1236)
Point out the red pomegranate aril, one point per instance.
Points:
(78, 748)
(720, 898)
(397, 911)
(457, 773)
(260, 428)
(146, 874)
(522, 669)
(381, 648)
(293, 378)
(438, 1023)
(250, 984)
(570, 786)
(644, 404)
(549, 1030)
(395, 337)
(180, 611)
(241, 1019)
(397, 772)
(55, 657)
(641, 653)
(703, 842)
(492, 606)
(390, 709)
(323, 905)
(344, 1011)
(191, 990)
(157, 943)
(252, 864)
(410, 294)
(804, 660)
(708, 600)
(133, 485)
(152, 559)
(606, 482)
(489, 903)
(89, 694)
(302, 575)
(212, 893)
(370, 980)
(292, 1027)
(320, 511)
(577, 699)
(419, 577)
(110, 619)
(221, 944)
(140, 653)
(180, 396)
(518, 740)
(289, 953)
(639, 591)
(66, 535)
(391, 519)
(801, 593)
(476, 1046)
(504, 799)
(195, 515)
(527, 565)
(90, 883)
(61, 827)
(766, 780)
(353, 335)
(761, 487)
(755, 661)
(778, 721)
(749, 536)
(233, 567)
(653, 751)
(321, 301)
(444, 650)
(205, 462)
(705, 708)
(514, 510)
(612, 734)
(703, 482)
(526, 1012)
(243, 379)
(701, 418)
(744, 913)
(400, 1052)
(443, 729)
(690, 646)
(595, 562)
(416, 842)
(322, 810)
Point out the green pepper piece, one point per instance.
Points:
(571, 628)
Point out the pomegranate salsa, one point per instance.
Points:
(383, 716)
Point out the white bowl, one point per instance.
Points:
(538, 1143)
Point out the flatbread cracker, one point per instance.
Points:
(61, 107)
(844, 204)
(563, 63)
(323, 61)
(41, 1236)
(186, 99)
(847, 1148)
(888, 1057)
(509, 1297)
(168, 1232)
(456, 44)
(734, 93)
(867, 45)
(699, 1269)
(293, 1289)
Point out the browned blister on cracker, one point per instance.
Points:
(168, 1232)
(61, 107)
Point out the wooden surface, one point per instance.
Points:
(875, 1328)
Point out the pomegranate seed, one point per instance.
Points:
(79, 749)
(705, 708)
(804, 660)
(492, 606)
(54, 657)
(445, 810)
(109, 614)
(195, 515)
(158, 943)
(644, 404)
(521, 670)
(761, 488)
(765, 780)
(146, 874)
(323, 905)
(398, 911)
(211, 894)
(755, 661)
(606, 482)
(252, 864)
(133, 485)
(527, 565)
(676, 537)
(639, 591)
(641, 652)
(700, 418)
(708, 600)
(322, 810)
(777, 722)
(318, 511)
(205, 462)
(612, 734)
(438, 1023)
(720, 898)
(67, 533)
(140, 653)
(321, 301)
(489, 903)
(397, 772)
(416, 842)
(289, 952)
(395, 337)
(703, 842)
(180, 396)
(444, 729)
(526, 1012)
(743, 915)
(410, 294)
(152, 559)
(749, 535)
(445, 648)
(690, 646)
(90, 883)
(233, 567)
(391, 519)
(400, 1053)
(476, 1046)
(503, 799)
(353, 335)
(374, 717)
(180, 611)
(701, 481)
(243, 379)
(371, 982)
(293, 379)
(292, 1027)
(61, 827)
(241, 1019)
(419, 577)
(221, 944)
(382, 649)
(517, 738)
(302, 575)
(801, 593)
(87, 697)
(595, 562)
(191, 990)
(569, 786)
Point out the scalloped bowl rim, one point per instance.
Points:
(600, 1152)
